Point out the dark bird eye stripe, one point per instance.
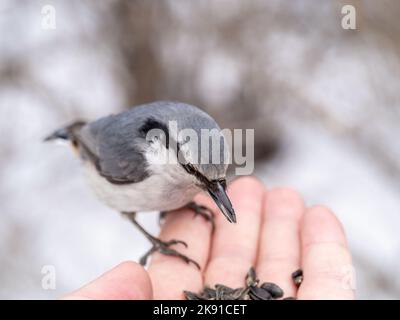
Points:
(192, 170)
(208, 183)
(151, 124)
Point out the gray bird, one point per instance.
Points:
(125, 159)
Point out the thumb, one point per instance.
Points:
(126, 281)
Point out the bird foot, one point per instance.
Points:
(163, 247)
(203, 211)
(198, 209)
(158, 245)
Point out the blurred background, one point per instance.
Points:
(324, 103)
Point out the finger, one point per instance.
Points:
(171, 275)
(127, 281)
(234, 246)
(326, 260)
(279, 252)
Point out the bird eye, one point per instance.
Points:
(189, 168)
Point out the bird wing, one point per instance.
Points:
(112, 145)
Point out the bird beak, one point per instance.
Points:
(218, 193)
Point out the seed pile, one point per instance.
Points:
(251, 291)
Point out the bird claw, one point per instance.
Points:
(163, 248)
(200, 210)
(173, 241)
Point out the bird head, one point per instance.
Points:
(208, 167)
(191, 137)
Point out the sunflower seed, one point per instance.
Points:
(239, 293)
(251, 278)
(273, 289)
(192, 296)
(208, 293)
(257, 293)
(297, 277)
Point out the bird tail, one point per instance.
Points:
(65, 133)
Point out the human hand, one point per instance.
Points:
(275, 232)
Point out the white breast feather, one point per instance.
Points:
(168, 187)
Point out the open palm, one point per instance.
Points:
(276, 233)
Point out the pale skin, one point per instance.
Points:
(276, 233)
